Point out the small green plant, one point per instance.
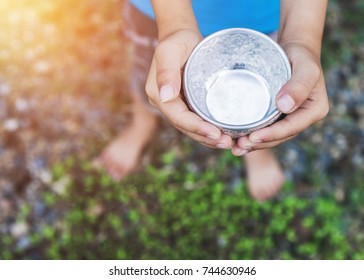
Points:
(178, 212)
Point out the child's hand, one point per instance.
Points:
(164, 85)
(303, 98)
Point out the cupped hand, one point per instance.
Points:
(303, 98)
(164, 85)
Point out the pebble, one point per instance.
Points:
(19, 229)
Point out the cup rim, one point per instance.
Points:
(271, 117)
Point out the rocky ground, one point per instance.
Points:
(61, 93)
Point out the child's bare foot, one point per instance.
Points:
(122, 156)
(265, 176)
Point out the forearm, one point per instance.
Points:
(173, 15)
(302, 22)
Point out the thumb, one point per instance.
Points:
(297, 90)
(167, 93)
(170, 59)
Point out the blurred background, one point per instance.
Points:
(63, 98)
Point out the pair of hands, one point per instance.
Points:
(303, 98)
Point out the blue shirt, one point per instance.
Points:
(215, 15)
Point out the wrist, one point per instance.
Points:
(163, 33)
(313, 46)
(180, 16)
(302, 23)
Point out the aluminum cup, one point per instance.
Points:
(232, 79)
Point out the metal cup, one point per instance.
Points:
(232, 79)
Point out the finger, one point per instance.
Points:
(177, 112)
(305, 75)
(244, 146)
(237, 151)
(170, 59)
(241, 147)
(151, 87)
(288, 127)
(193, 126)
(186, 121)
(168, 72)
(314, 109)
(163, 84)
(224, 142)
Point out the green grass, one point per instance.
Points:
(175, 213)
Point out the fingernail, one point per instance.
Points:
(247, 147)
(213, 136)
(243, 153)
(166, 93)
(285, 103)
(255, 140)
(240, 152)
(222, 146)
